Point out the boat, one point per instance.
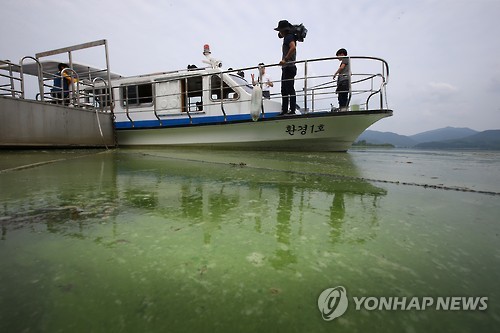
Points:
(213, 107)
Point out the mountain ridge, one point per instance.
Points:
(488, 140)
(441, 138)
(445, 133)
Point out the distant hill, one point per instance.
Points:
(441, 134)
(380, 138)
(483, 140)
(441, 138)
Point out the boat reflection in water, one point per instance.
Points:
(263, 197)
(219, 192)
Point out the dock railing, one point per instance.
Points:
(11, 82)
(89, 88)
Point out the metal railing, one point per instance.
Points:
(315, 92)
(83, 92)
(99, 98)
(326, 90)
(8, 81)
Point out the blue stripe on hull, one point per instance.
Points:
(185, 121)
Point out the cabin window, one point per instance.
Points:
(193, 92)
(137, 95)
(217, 93)
(241, 82)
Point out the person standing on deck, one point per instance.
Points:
(62, 81)
(343, 81)
(288, 68)
(264, 79)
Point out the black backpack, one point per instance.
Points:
(300, 32)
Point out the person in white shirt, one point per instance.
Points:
(266, 81)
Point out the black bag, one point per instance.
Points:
(300, 32)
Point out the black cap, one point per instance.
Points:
(283, 25)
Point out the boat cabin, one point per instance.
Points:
(188, 96)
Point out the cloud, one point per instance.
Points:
(441, 93)
(443, 88)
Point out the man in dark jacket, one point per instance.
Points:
(288, 69)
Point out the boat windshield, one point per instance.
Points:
(241, 82)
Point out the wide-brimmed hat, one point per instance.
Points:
(283, 25)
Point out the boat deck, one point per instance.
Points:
(104, 108)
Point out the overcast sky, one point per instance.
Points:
(444, 55)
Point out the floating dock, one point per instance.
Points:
(27, 123)
(83, 119)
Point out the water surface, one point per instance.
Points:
(205, 241)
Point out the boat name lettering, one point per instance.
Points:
(304, 129)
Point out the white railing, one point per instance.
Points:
(315, 88)
(11, 82)
(314, 85)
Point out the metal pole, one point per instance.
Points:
(111, 99)
(312, 100)
(40, 76)
(222, 96)
(71, 48)
(187, 100)
(153, 98)
(12, 87)
(305, 86)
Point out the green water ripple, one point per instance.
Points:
(178, 241)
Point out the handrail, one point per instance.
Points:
(330, 84)
(384, 75)
(102, 108)
(127, 107)
(222, 96)
(11, 85)
(105, 102)
(187, 106)
(305, 86)
(78, 97)
(369, 77)
(362, 84)
(40, 70)
(385, 65)
(154, 105)
(316, 96)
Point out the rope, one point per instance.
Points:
(375, 180)
(34, 165)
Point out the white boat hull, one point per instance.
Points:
(313, 132)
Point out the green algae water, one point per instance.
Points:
(211, 241)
